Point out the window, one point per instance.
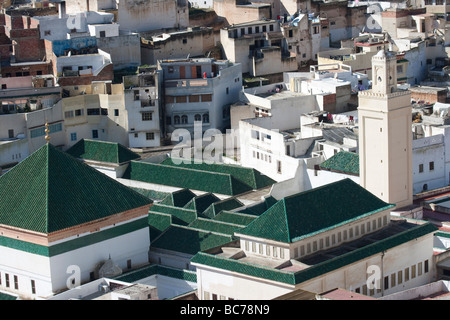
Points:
(116, 112)
(93, 112)
(197, 117)
(278, 166)
(11, 133)
(184, 119)
(406, 274)
(33, 287)
(94, 134)
(264, 28)
(147, 116)
(102, 34)
(206, 97)
(4, 86)
(400, 69)
(194, 98)
(176, 120)
(386, 283)
(393, 280)
(7, 280)
(271, 27)
(129, 264)
(206, 118)
(400, 277)
(150, 135)
(425, 266)
(68, 114)
(47, 32)
(421, 167)
(73, 136)
(38, 132)
(431, 165)
(290, 33)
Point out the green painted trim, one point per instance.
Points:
(155, 269)
(75, 244)
(294, 278)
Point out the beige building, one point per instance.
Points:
(385, 139)
(100, 115)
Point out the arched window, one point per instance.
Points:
(198, 117)
(184, 119)
(176, 120)
(206, 118)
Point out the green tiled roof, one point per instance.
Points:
(188, 240)
(259, 208)
(158, 222)
(185, 216)
(234, 217)
(343, 161)
(4, 297)
(202, 202)
(248, 176)
(226, 204)
(155, 269)
(215, 226)
(181, 197)
(313, 271)
(177, 176)
(308, 213)
(103, 151)
(50, 191)
(151, 194)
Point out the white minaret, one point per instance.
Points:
(385, 135)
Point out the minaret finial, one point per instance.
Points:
(47, 131)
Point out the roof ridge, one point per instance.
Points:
(287, 221)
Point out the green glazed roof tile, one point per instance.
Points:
(50, 191)
(343, 161)
(308, 213)
(154, 269)
(177, 176)
(188, 240)
(103, 151)
(313, 271)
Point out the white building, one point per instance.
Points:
(144, 106)
(199, 91)
(332, 250)
(53, 254)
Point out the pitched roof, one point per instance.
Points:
(178, 176)
(290, 277)
(50, 190)
(248, 176)
(188, 240)
(308, 213)
(102, 151)
(343, 161)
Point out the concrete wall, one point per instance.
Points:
(138, 16)
(125, 50)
